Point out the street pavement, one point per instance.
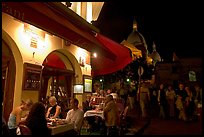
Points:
(158, 126)
(173, 127)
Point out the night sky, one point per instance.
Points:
(173, 26)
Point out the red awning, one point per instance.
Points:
(102, 65)
(53, 60)
(57, 19)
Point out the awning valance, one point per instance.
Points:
(102, 65)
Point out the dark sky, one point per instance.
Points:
(171, 25)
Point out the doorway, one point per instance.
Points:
(56, 81)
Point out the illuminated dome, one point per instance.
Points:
(137, 39)
(155, 55)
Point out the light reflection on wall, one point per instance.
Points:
(81, 56)
(33, 43)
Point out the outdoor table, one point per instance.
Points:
(60, 128)
(95, 112)
(98, 116)
(96, 100)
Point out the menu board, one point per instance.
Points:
(78, 88)
(87, 84)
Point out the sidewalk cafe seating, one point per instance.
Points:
(96, 100)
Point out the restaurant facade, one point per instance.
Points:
(47, 50)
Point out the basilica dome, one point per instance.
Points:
(137, 39)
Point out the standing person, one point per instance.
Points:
(123, 92)
(16, 115)
(131, 100)
(111, 116)
(36, 120)
(154, 106)
(189, 104)
(171, 95)
(144, 98)
(180, 101)
(96, 88)
(55, 110)
(75, 116)
(162, 101)
(197, 95)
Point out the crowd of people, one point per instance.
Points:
(167, 101)
(164, 101)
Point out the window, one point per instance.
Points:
(192, 76)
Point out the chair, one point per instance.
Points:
(24, 130)
(80, 127)
(5, 129)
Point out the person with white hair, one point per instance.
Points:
(54, 111)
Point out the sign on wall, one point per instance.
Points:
(78, 88)
(87, 84)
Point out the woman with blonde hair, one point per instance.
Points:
(54, 111)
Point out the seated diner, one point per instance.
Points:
(75, 115)
(54, 111)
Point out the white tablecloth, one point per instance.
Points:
(94, 113)
(58, 129)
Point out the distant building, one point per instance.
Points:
(155, 55)
(186, 70)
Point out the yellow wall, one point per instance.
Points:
(20, 45)
(84, 54)
(80, 98)
(33, 95)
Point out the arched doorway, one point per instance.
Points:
(57, 79)
(8, 79)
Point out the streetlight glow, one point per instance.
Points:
(95, 55)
